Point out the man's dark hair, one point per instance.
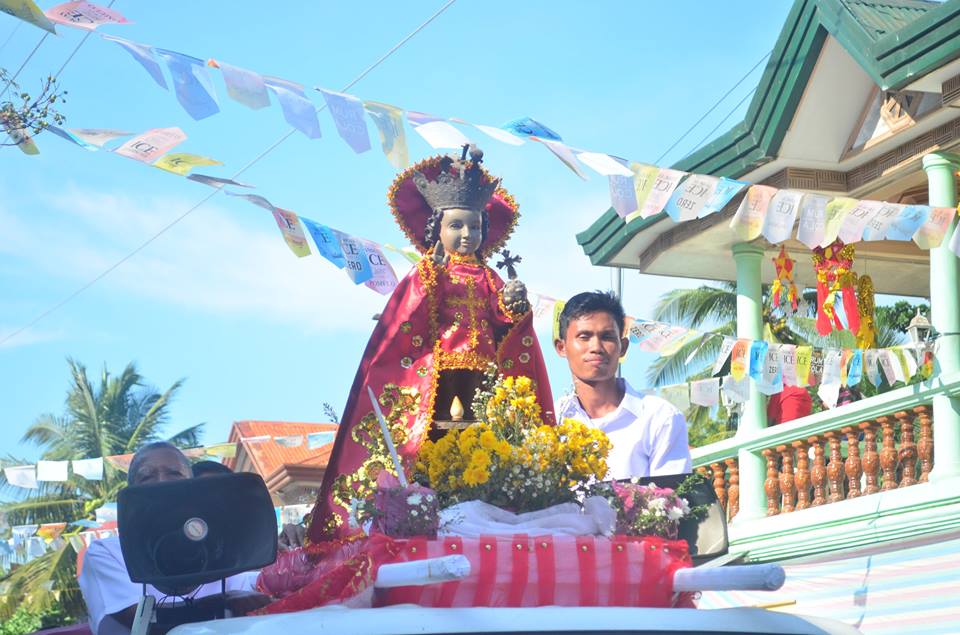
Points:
(591, 302)
(147, 449)
(205, 468)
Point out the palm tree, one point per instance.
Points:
(117, 416)
(712, 310)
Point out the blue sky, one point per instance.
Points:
(219, 299)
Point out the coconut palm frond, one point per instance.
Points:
(42, 582)
(188, 438)
(704, 305)
(149, 423)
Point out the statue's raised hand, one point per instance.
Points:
(515, 297)
(440, 256)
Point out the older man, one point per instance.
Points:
(648, 435)
(106, 587)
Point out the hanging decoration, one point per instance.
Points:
(867, 333)
(834, 267)
(784, 284)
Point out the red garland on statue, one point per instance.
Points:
(834, 267)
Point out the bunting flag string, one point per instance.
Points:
(764, 210)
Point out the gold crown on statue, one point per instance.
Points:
(461, 183)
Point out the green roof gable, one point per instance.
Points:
(895, 41)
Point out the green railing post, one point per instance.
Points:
(945, 316)
(754, 419)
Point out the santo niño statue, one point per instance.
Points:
(446, 322)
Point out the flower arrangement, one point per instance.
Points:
(645, 510)
(511, 459)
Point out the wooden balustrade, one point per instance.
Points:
(840, 464)
(725, 478)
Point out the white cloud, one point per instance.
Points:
(216, 260)
(26, 337)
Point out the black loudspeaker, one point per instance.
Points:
(706, 537)
(180, 534)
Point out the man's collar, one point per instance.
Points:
(632, 400)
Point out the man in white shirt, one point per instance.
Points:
(648, 434)
(110, 596)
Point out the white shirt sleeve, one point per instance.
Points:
(670, 450)
(104, 582)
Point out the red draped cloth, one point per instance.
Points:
(439, 318)
(505, 571)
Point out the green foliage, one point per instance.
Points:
(898, 315)
(24, 621)
(23, 115)
(116, 415)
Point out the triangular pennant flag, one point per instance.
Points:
(383, 279)
(565, 155)
(604, 164)
(216, 181)
(623, 198)
(222, 450)
(326, 242)
(747, 223)
(678, 395)
(298, 111)
(183, 162)
(143, 54)
(84, 15)
(256, 199)
(724, 193)
(878, 225)
(72, 138)
(24, 476)
(813, 219)
(737, 391)
(771, 377)
(52, 470)
(97, 136)
(889, 364)
(90, 469)
(907, 222)
(290, 441)
(664, 184)
(357, 266)
(244, 86)
(726, 347)
(393, 139)
(855, 370)
(20, 136)
(319, 439)
(788, 361)
(834, 214)
(804, 355)
(292, 232)
(437, 132)
(816, 367)
(740, 359)
(28, 11)
(705, 392)
(758, 356)
(851, 231)
(527, 127)
(781, 214)
(644, 177)
(870, 359)
(931, 233)
(191, 83)
(500, 135)
(349, 118)
(690, 197)
(152, 144)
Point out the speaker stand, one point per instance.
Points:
(144, 615)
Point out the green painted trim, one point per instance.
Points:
(887, 517)
(609, 234)
(816, 424)
(892, 61)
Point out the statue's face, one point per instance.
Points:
(461, 231)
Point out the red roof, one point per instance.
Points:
(267, 456)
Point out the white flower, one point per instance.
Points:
(414, 499)
(685, 505)
(413, 512)
(674, 513)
